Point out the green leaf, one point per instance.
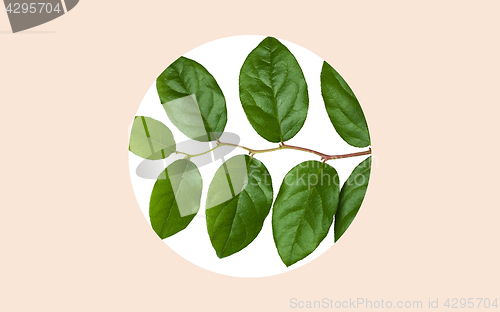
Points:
(151, 139)
(351, 196)
(192, 100)
(175, 199)
(343, 108)
(304, 209)
(238, 200)
(273, 91)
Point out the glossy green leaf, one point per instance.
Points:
(192, 100)
(175, 198)
(238, 200)
(343, 108)
(351, 196)
(273, 91)
(151, 139)
(304, 209)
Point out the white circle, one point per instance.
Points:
(223, 58)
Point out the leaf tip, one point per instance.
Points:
(289, 262)
(337, 237)
(221, 254)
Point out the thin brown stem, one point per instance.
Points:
(250, 150)
(324, 157)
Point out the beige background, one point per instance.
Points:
(72, 235)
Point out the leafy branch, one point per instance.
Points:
(274, 95)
